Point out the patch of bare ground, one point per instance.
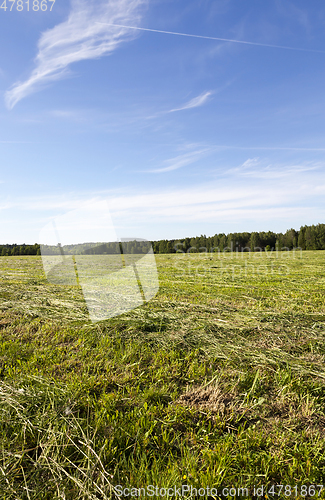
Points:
(288, 412)
(295, 414)
(211, 399)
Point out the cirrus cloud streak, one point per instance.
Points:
(194, 103)
(78, 38)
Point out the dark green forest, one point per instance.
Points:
(14, 249)
(307, 238)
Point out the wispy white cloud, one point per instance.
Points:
(78, 38)
(194, 103)
(261, 169)
(225, 202)
(250, 162)
(180, 161)
(197, 201)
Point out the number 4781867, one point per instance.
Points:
(27, 5)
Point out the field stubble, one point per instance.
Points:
(219, 378)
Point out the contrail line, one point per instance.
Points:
(215, 38)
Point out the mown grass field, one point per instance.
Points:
(218, 381)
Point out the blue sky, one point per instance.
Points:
(181, 135)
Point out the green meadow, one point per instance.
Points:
(218, 381)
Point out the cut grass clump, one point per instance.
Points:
(47, 447)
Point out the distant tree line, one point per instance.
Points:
(307, 238)
(111, 248)
(14, 249)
